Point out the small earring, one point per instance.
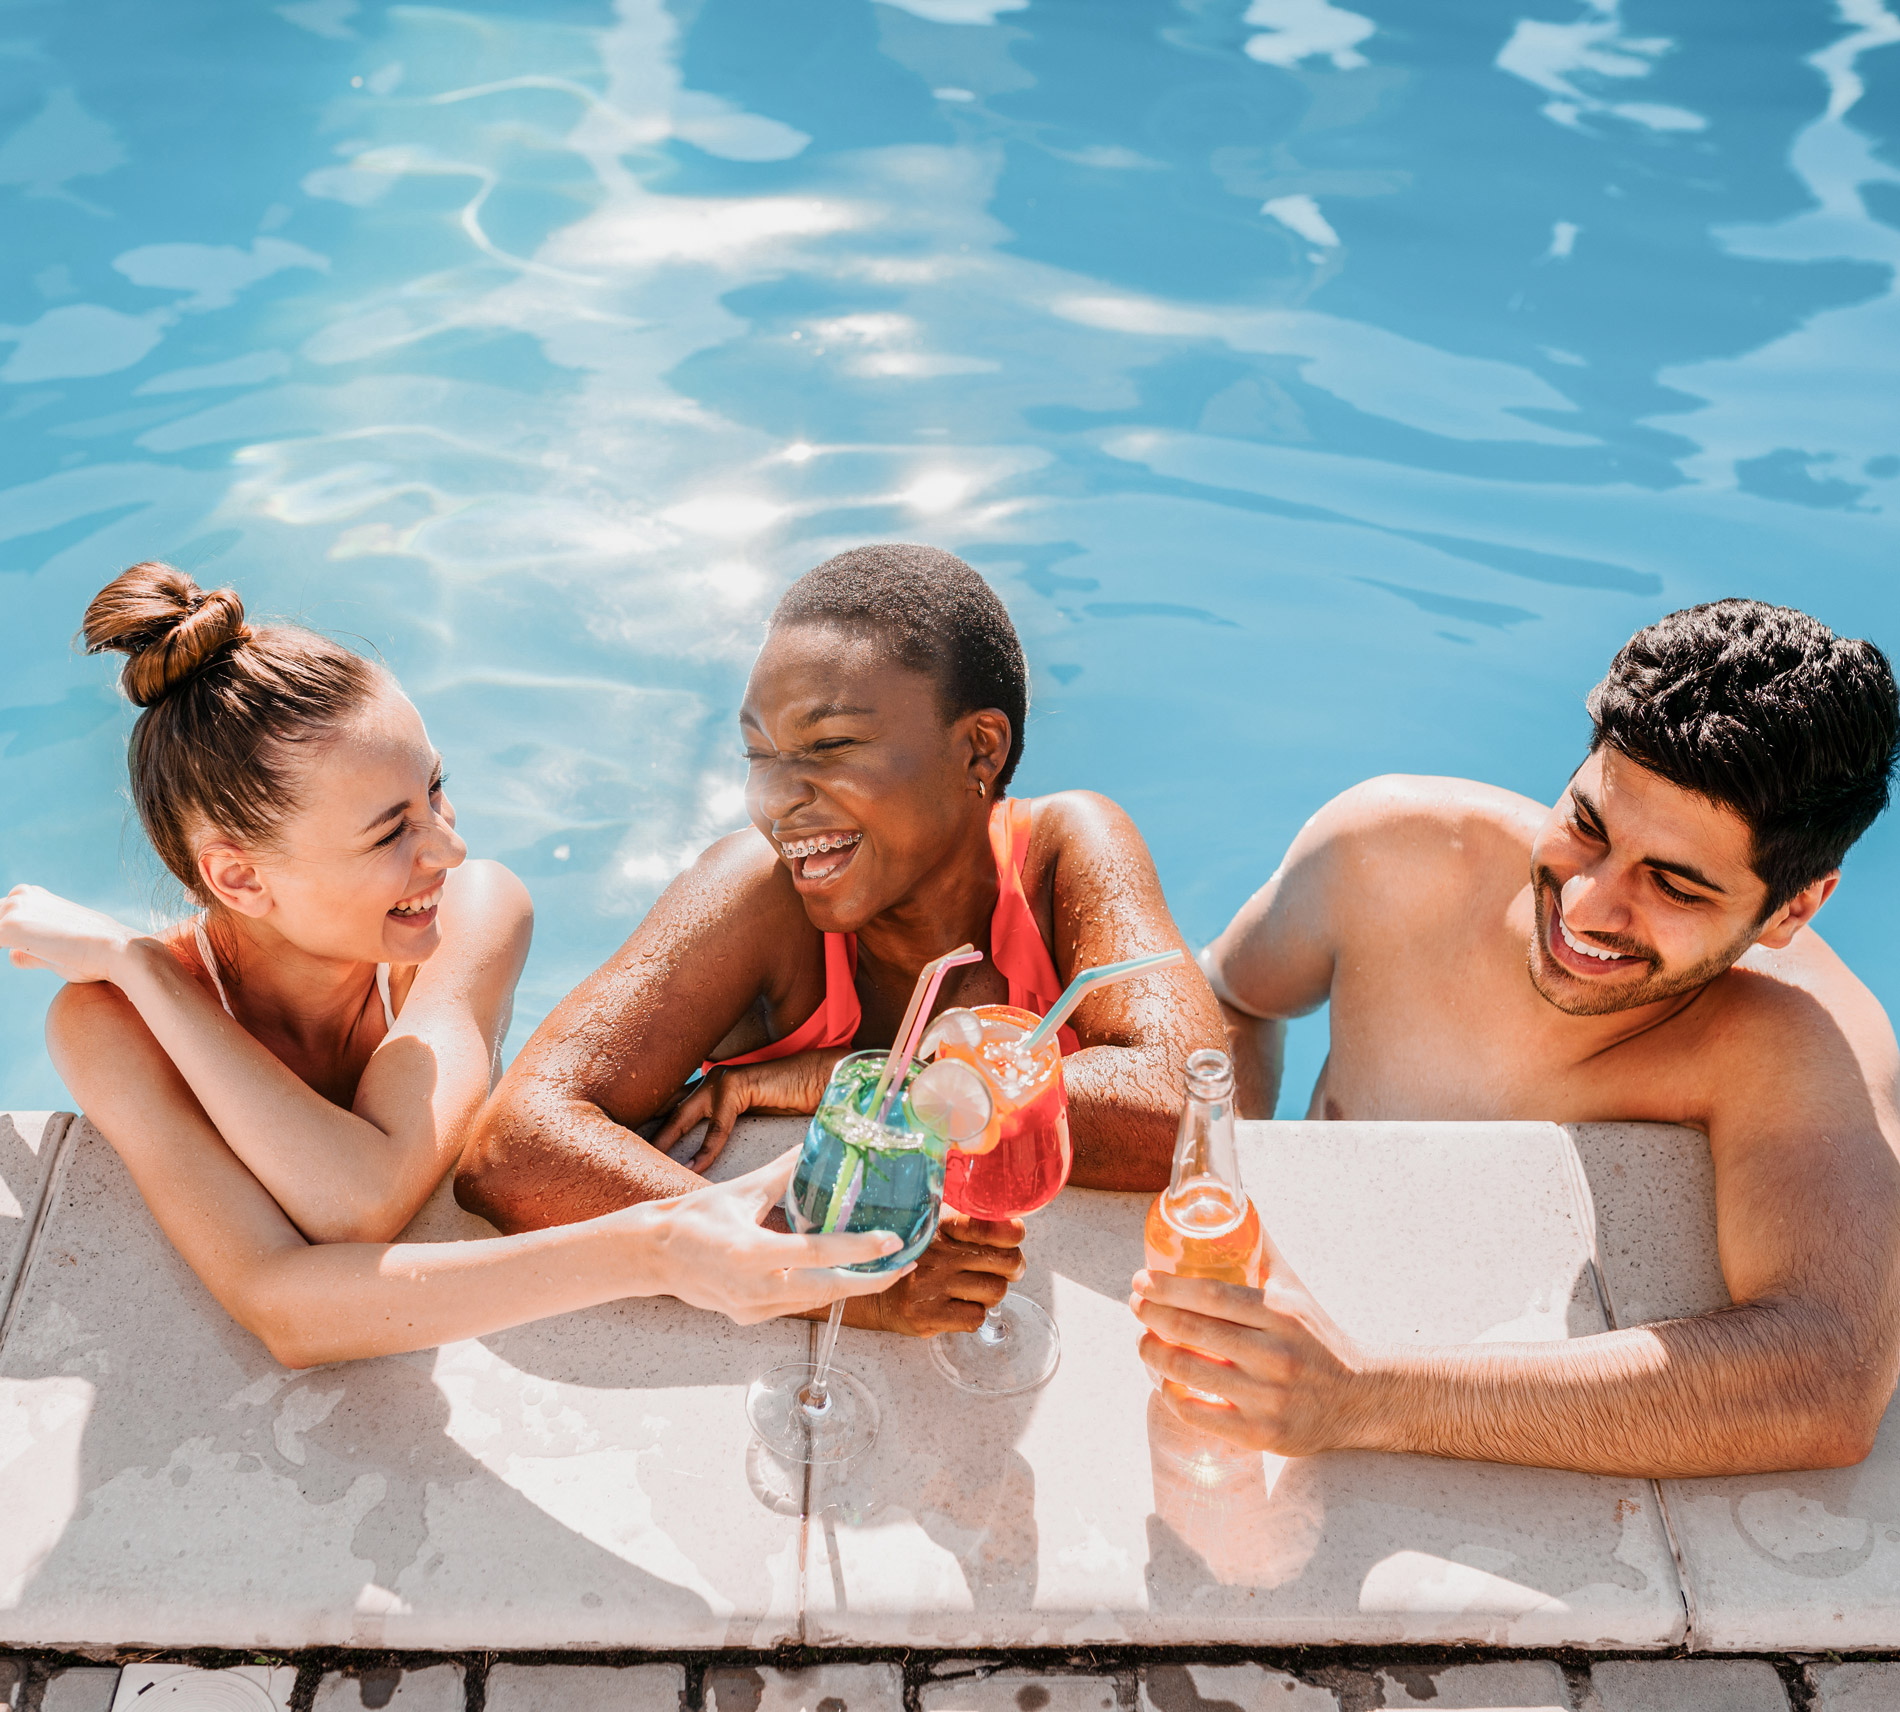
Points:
(982, 790)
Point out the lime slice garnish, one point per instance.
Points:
(959, 1027)
(952, 1100)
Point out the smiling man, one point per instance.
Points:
(1643, 950)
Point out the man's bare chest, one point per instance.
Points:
(1407, 1044)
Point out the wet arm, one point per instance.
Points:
(1274, 960)
(310, 1303)
(557, 1141)
(1124, 1084)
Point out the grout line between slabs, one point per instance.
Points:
(60, 1147)
(1587, 1211)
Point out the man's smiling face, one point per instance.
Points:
(1643, 890)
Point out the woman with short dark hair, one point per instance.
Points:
(882, 724)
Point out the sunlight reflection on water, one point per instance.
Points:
(1327, 393)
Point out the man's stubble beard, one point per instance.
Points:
(1581, 999)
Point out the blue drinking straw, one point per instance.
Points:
(1106, 975)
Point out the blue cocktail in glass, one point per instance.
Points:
(857, 1173)
(873, 1160)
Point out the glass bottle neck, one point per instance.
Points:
(1204, 1188)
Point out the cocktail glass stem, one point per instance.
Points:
(994, 1328)
(816, 1397)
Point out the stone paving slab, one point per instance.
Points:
(185, 1688)
(29, 1148)
(585, 1688)
(1772, 1562)
(829, 1687)
(1685, 1685)
(433, 1688)
(1020, 1691)
(82, 1688)
(1517, 1684)
(587, 1481)
(1228, 1688)
(1081, 1513)
(1853, 1687)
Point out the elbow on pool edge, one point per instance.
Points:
(485, 1183)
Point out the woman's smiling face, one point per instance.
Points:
(854, 773)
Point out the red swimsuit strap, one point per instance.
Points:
(1016, 948)
(833, 1023)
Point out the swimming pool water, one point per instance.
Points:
(1329, 389)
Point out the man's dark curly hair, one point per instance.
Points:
(937, 616)
(1765, 711)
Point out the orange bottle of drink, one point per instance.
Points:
(1203, 1225)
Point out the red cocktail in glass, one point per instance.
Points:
(1019, 1164)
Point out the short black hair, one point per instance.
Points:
(937, 616)
(1764, 711)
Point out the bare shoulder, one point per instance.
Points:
(741, 868)
(1419, 833)
(734, 900)
(1417, 807)
(1080, 820)
(1799, 1025)
(494, 893)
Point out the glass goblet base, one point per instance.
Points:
(1016, 1349)
(844, 1427)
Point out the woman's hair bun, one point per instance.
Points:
(169, 626)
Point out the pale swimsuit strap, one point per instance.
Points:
(211, 968)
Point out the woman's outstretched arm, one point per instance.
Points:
(1124, 1084)
(333, 1302)
(356, 1175)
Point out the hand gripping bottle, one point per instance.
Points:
(1202, 1225)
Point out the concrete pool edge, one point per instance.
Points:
(1745, 1586)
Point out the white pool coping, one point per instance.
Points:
(589, 1483)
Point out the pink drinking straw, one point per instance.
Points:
(910, 1032)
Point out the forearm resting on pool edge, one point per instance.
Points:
(540, 1157)
(1757, 1388)
(1768, 1386)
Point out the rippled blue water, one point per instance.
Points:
(1328, 390)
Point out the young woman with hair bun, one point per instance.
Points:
(288, 1075)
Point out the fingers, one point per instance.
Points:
(992, 1233)
(815, 1287)
(838, 1248)
(1238, 1303)
(954, 1315)
(985, 1289)
(729, 1104)
(714, 1144)
(961, 1257)
(1188, 1367)
(692, 1110)
(1219, 1337)
(1223, 1420)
